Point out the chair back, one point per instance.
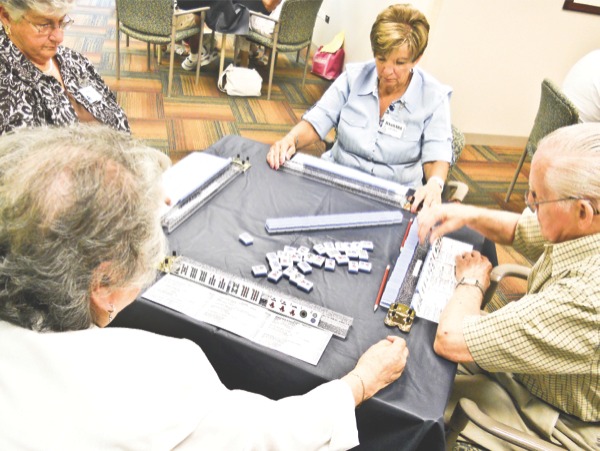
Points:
(555, 111)
(149, 17)
(458, 144)
(297, 20)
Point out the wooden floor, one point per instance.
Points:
(196, 116)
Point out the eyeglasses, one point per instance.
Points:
(46, 29)
(533, 205)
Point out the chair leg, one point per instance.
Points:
(148, 52)
(305, 65)
(158, 54)
(200, 46)
(514, 180)
(171, 62)
(118, 55)
(272, 59)
(222, 62)
(126, 40)
(297, 56)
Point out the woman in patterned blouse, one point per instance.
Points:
(44, 83)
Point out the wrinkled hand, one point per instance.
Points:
(473, 264)
(281, 151)
(443, 219)
(427, 195)
(381, 364)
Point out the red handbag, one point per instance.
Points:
(328, 65)
(328, 60)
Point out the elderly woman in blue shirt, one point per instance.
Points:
(392, 118)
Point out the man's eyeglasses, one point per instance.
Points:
(533, 204)
(47, 28)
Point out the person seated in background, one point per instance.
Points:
(207, 56)
(259, 25)
(80, 236)
(44, 83)
(582, 86)
(549, 339)
(392, 118)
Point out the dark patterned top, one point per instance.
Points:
(30, 98)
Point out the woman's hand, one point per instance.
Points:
(378, 367)
(282, 150)
(428, 195)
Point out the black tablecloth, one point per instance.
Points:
(407, 414)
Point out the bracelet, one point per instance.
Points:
(363, 387)
(438, 180)
(470, 282)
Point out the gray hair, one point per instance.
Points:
(572, 155)
(16, 8)
(72, 199)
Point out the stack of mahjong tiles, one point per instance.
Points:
(295, 264)
(194, 180)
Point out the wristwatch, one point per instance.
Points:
(470, 281)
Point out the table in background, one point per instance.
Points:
(408, 414)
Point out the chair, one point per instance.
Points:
(466, 411)
(293, 32)
(555, 111)
(153, 22)
(455, 191)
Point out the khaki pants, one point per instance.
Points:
(185, 21)
(501, 397)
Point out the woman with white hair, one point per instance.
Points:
(44, 83)
(80, 236)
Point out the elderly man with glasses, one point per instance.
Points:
(534, 363)
(44, 83)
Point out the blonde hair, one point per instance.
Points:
(398, 25)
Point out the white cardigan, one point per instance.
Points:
(128, 389)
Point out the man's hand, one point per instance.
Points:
(443, 219)
(474, 265)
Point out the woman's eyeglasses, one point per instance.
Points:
(47, 28)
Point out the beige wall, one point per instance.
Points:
(493, 53)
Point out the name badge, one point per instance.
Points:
(391, 127)
(90, 94)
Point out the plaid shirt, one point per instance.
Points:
(550, 338)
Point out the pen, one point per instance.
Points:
(410, 223)
(381, 287)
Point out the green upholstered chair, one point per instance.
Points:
(153, 22)
(293, 32)
(555, 111)
(454, 190)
